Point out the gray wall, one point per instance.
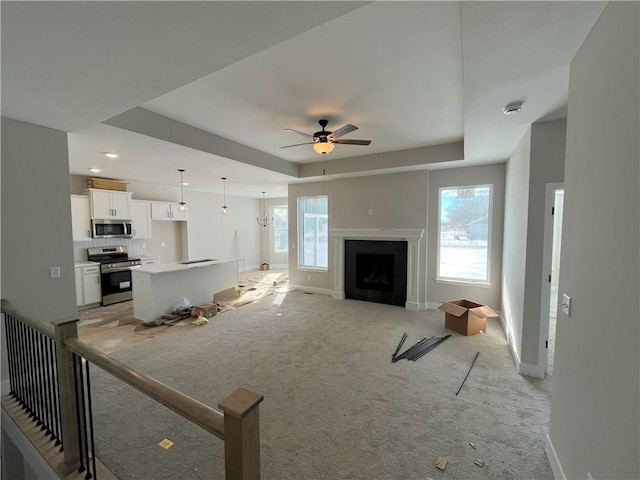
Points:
(546, 166)
(537, 160)
(595, 419)
(459, 177)
(35, 186)
(516, 204)
(395, 200)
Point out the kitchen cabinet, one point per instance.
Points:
(167, 211)
(110, 204)
(141, 218)
(88, 287)
(80, 218)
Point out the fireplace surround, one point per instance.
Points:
(412, 238)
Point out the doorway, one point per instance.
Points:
(551, 273)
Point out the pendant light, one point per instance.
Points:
(264, 221)
(182, 206)
(224, 210)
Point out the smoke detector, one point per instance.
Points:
(513, 107)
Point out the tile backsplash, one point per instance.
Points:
(134, 247)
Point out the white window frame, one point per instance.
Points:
(275, 230)
(300, 216)
(466, 281)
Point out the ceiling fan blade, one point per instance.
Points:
(298, 144)
(299, 132)
(352, 142)
(343, 131)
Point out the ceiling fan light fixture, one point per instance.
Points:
(323, 147)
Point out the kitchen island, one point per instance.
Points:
(157, 287)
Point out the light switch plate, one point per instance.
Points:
(55, 272)
(566, 304)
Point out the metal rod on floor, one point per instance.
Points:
(412, 349)
(465, 377)
(404, 337)
(428, 348)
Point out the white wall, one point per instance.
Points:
(537, 160)
(458, 177)
(595, 407)
(546, 166)
(212, 235)
(276, 260)
(35, 186)
(515, 241)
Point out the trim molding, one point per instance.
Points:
(523, 368)
(556, 466)
(411, 235)
(432, 305)
(305, 288)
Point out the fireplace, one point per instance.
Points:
(376, 271)
(405, 276)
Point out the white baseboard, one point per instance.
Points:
(5, 387)
(531, 370)
(280, 265)
(432, 305)
(304, 288)
(523, 368)
(556, 466)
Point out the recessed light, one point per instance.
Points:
(185, 183)
(95, 170)
(111, 155)
(513, 107)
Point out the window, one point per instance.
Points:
(464, 234)
(313, 232)
(280, 229)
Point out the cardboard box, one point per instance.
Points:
(106, 184)
(264, 266)
(208, 310)
(466, 317)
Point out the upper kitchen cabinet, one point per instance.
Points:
(80, 218)
(110, 204)
(141, 218)
(167, 211)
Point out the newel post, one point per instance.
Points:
(242, 435)
(67, 328)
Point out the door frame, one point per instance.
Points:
(547, 255)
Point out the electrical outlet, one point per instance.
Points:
(55, 272)
(566, 304)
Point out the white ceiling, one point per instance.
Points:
(211, 86)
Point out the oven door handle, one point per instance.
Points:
(116, 270)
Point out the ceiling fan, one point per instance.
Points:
(324, 140)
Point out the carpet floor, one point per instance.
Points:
(335, 406)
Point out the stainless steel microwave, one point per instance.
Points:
(111, 228)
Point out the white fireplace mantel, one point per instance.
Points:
(411, 235)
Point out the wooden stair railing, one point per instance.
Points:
(238, 425)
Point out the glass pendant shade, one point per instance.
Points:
(182, 206)
(224, 210)
(323, 147)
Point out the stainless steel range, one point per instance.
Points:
(115, 272)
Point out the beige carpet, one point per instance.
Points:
(113, 327)
(335, 406)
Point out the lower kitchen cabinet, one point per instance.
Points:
(88, 287)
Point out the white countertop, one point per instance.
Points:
(85, 264)
(156, 268)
